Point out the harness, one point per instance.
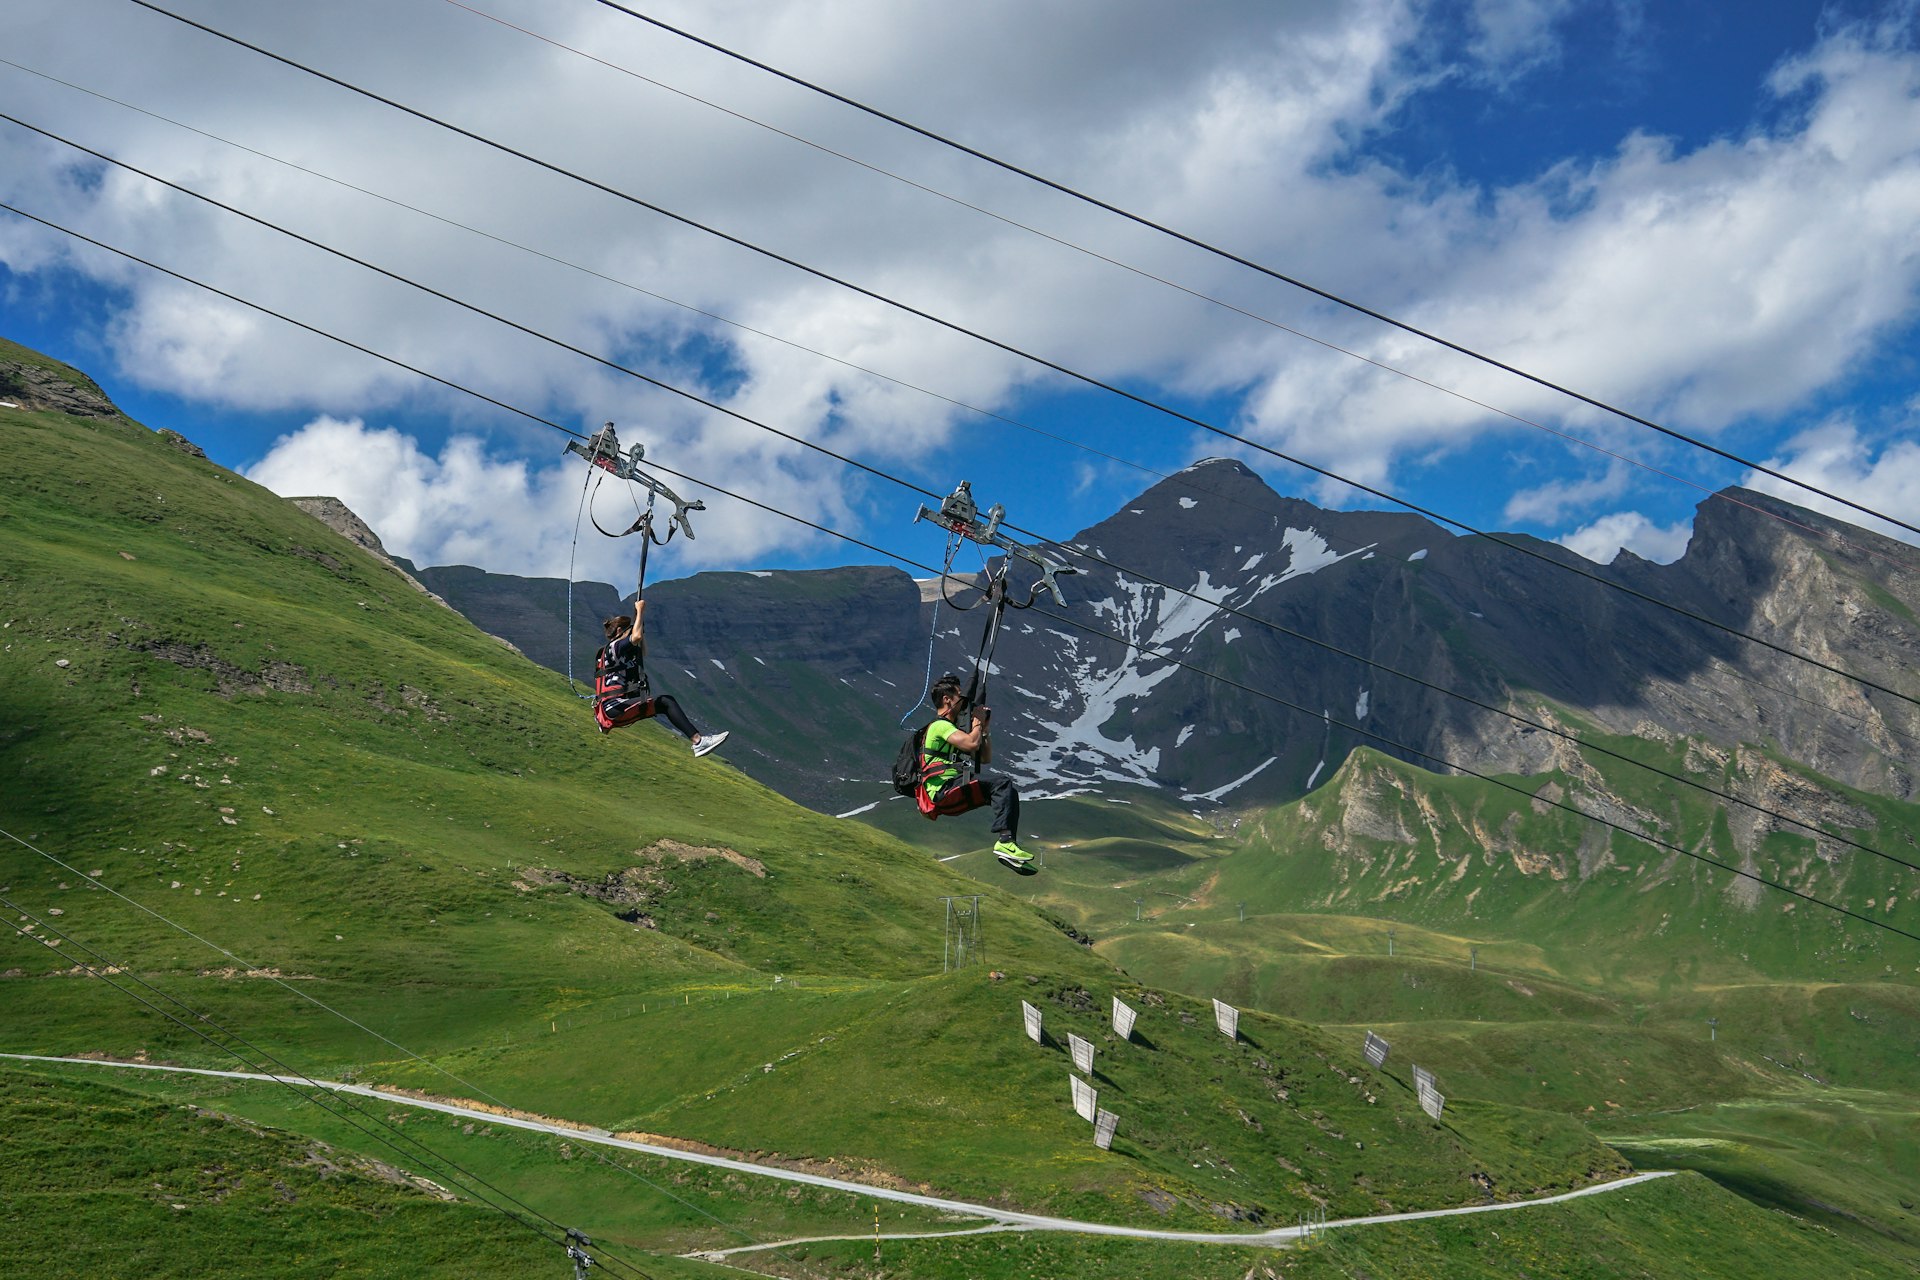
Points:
(626, 678)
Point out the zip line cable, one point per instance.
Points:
(1176, 477)
(1097, 632)
(320, 1097)
(906, 308)
(875, 373)
(1511, 715)
(503, 320)
(1239, 260)
(1086, 378)
(1197, 294)
(1167, 656)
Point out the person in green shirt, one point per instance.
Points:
(945, 744)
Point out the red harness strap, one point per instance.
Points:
(962, 797)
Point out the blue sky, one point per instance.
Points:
(1699, 212)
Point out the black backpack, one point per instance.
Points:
(907, 765)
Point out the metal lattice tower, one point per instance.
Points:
(962, 944)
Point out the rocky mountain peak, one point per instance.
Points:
(29, 380)
(339, 517)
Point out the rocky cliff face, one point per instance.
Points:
(1096, 695)
(29, 380)
(337, 516)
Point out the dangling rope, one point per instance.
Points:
(643, 524)
(572, 552)
(946, 566)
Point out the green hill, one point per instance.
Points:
(220, 709)
(1530, 963)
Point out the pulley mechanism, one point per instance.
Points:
(602, 449)
(959, 515)
(577, 1243)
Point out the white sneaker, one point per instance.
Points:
(708, 741)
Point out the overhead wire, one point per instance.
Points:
(1199, 295)
(906, 308)
(710, 404)
(321, 1096)
(1180, 477)
(1166, 655)
(792, 344)
(922, 491)
(1240, 260)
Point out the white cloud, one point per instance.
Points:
(1602, 540)
(468, 506)
(1709, 285)
(1513, 36)
(1705, 287)
(1834, 457)
(1548, 503)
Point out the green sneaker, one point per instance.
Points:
(1010, 853)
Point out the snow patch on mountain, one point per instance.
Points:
(1307, 552)
(1079, 747)
(1244, 778)
(1154, 617)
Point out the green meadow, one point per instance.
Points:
(273, 809)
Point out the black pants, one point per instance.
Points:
(995, 789)
(615, 712)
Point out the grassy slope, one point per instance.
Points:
(1683, 1226)
(98, 1182)
(1590, 992)
(270, 738)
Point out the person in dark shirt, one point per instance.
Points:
(621, 694)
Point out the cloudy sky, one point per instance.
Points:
(1702, 213)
